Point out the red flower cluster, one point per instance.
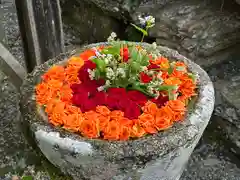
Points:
(87, 97)
(124, 52)
(72, 100)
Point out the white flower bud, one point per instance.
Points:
(154, 45)
(100, 88)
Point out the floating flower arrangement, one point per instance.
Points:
(117, 91)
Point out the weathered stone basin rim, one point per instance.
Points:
(83, 157)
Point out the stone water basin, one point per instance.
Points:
(156, 157)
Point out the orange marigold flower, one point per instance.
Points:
(55, 72)
(87, 54)
(65, 94)
(51, 104)
(150, 108)
(188, 88)
(91, 115)
(103, 121)
(76, 62)
(176, 105)
(103, 110)
(54, 84)
(126, 122)
(70, 109)
(164, 118)
(116, 114)
(137, 131)
(43, 93)
(178, 115)
(172, 81)
(112, 131)
(71, 76)
(89, 128)
(124, 133)
(73, 122)
(57, 115)
(147, 122)
(162, 62)
(179, 69)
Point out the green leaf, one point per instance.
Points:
(27, 178)
(145, 33)
(193, 77)
(170, 69)
(171, 95)
(112, 50)
(145, 60)
(180, 68)
(100, 64)
(134, 67)
(142, 89)
(134, 54)
(167, 88)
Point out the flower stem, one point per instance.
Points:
(144, 35)
(142, 38)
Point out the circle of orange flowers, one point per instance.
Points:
(54, 94)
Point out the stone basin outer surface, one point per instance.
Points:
(162, 156)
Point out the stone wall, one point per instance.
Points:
(197, 29)
(206, 31)
(89, 22)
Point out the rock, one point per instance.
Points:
(231, 93)
(197, 29)
(157, 157)
(88, 21)
(228, 113)
(211, 158)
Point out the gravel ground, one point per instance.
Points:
(210, 160)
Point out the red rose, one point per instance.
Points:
(100, 98)
(117, 92)
(145, 78)
(100, 82)
(131, 110)
(160, 101)
(124, 52)
(112, 102)
(87, 105)
(152, 66)
(137, 97)
(78, 99)
(83, 74)
(89, 87)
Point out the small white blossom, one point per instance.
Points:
(157, 93)
(109, 73)
(120, 72)
(113, 34)
(150, 73)
(144, 51)
(100, 88)
(107, 83)
(159, 75)
(148, 21)
(108, 58)
(91, 73)
(150, 89)
(112, 37)
(142, 20)
(154, 45)
(144, 68)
